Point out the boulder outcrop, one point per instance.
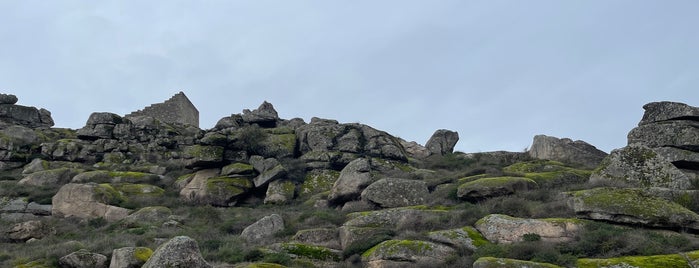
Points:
(130, 257)
(442, 142)
(30, 229)
(503, 229)
(87, 201)
(395, 192)
(83, 259)
(263, 228)
(491, 187)
(12, 114)
(566, 150)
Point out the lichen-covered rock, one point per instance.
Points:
(269, 175)
(491, 187)
(30, 229)
(99, 126)
(442, 142)
(154, 216)
(566, 150)
(394, 192)
(549, 173)
(263, 228)
(313, 252)
(52, 177)
(325, 237)
(415, 150)
(224, 191)
(640, 166)
(280, 192)
(318, 181)
(666, 110)
(353, 179)
(83, 259)
(130, 257)
(85, 201)
(103, 176)
(265, 115)
(406, 217)
(237, 169)
(670, 260)
(680, 134)
(352, 238)
(409, 251)
(11, 114)
(498, 228)
(465, 237)
(178, 252)
(491, 262)
(202, 155)
(196, 190)
(631, 206)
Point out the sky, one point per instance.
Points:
(498, 72)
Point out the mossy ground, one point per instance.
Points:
(666, 261)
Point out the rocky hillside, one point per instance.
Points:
(261, 191)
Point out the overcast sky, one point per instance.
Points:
(498, 72)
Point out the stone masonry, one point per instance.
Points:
(177, 109)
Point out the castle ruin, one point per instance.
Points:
(177, 109)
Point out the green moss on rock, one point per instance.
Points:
(237, 168)
(311, 252)
(491, 262)
(107, 194)
(665, 261)
(318, 181)
(548, 172)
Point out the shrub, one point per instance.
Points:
(531, 237)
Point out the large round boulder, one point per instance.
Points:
(565, 150)
(394, 192)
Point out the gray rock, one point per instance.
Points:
(265, 114)
(492, 187)
(178, 252)
(351, 237)
(489, 262)
(31, 117)
(130, 257)
(442, 142)
(83, 259)
(353, 179)
(359, 205)
(280, 192)
(153, 216)
(17, 136)
(198, 156)
(679, 134)
(640, 166)
(196, 190)
(465, 237)
(665, 110)
(324, 237)
(8, 99)
(262, 229)
(631, 206)
(30, 229)
(401, 218)
(503, 229)
(565, 150)
(267, 176)
(52, 177)
(84, 201)
(415, 150)
(394, 192)
(414, 251)
(237, 169)
(99, 126)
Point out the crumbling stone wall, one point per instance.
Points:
(177, 109)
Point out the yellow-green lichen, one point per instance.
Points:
(546, 171)
(318, 181)
(497, 182)
(142, 253)
(390, 247)
(634, 202)
(665, 261)
(311, 252)
(131, 189)
(492, 262)
(107, 194)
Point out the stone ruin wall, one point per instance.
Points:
(177, 109)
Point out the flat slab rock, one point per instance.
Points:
(498, 228)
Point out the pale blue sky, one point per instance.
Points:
(498, 72)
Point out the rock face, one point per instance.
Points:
(263, 115)
(353, 179)
(566, 151)
(410, 251)
(83, 259)
(263, 228)
(83, 201)
(442, 142)
(11, 114)
(663, 151)
(641, 166)
(465, 237)
(504, 229)
(30, 229)
(178, 252)
(491, 187)
(490, 262)
(631, 206)
(393, 192)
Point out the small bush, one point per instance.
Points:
(531, 237)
